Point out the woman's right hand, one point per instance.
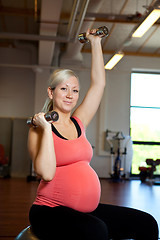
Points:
(40, 121)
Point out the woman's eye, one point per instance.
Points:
(76, 91)
(63, 88)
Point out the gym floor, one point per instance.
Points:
(17, 195)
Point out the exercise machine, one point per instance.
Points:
(117, 143)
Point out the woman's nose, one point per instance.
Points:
(69, 94)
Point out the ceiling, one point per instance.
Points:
(52, 28)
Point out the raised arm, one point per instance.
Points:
(41, 148)
(90, 104)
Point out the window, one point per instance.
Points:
(145, 118)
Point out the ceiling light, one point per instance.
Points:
(114, 60)
(147, 23)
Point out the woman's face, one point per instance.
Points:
(66, 94)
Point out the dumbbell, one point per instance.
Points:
(49, 116)
(101, 31)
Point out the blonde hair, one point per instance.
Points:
(57, 77)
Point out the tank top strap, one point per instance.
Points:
(80, 123)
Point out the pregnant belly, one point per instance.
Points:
(76, 186)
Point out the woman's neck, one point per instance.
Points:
(64, 118)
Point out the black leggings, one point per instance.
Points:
(106, 222)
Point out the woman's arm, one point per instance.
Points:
(91, 102)
(41, 148)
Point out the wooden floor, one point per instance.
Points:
(17, 195)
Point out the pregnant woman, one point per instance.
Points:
(67, 201)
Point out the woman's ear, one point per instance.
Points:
(50, 92)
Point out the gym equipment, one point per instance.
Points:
(3, 158)
(4, 163)
(148, 172)
(114, 140)
(101, 31)
(117, 165)
(26, 234)
(49, 116)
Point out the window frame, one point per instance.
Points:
(136, 142)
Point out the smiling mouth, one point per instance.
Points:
(67, 102)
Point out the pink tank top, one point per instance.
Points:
(75, 184)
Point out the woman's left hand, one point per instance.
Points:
(91, 37)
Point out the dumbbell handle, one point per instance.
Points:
(49, 116)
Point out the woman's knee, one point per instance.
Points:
(152, 225)
(96, 230)
(102, 231)
(148, 227)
